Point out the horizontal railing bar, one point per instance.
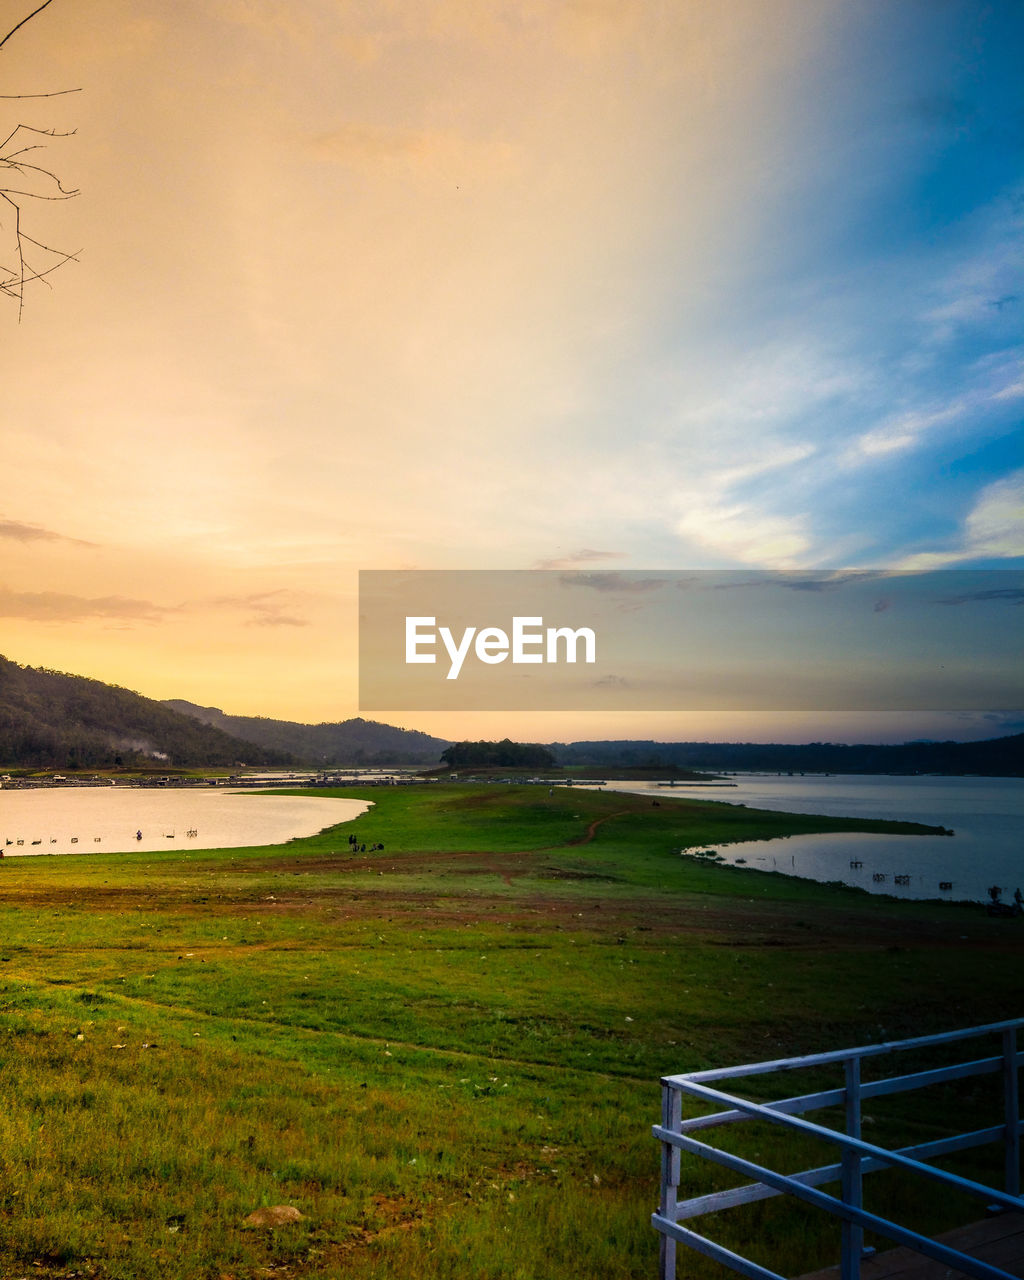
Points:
(871, 1089)
(753, 1191)
(861, 1217)
(805, 1102)
(937, 1075)
(711, 1250)
(714, 1201)
(839, 1055)
(842, 1140)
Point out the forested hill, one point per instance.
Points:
(50, 720)
(995, 757)
(344, 742)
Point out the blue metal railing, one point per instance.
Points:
(856, 1157)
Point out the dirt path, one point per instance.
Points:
(591, 832)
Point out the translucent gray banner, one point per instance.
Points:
(722, 640)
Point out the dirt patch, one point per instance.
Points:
(642, 914)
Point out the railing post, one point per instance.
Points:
(1011, 1102)
(671, 1119)
(851, 1178)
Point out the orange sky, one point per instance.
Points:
(391, 285)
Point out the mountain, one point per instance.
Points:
(51, 720)
(345, 742)
(994, 757)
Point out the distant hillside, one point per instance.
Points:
(995, 757)
(50, 720)
(345, 742)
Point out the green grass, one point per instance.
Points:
(445, 1055)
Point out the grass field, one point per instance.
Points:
(446, 1054)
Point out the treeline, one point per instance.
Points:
(344, 742)
(498, 755)
(51, 720)
(994, 757)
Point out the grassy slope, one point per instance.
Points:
(445, 1054)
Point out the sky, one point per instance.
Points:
(498, 284)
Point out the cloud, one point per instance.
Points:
(612, 582)
(828, 580)
(983, 285)
(742, 531)
(994, 529)
(266, 608)
(584, 556)
(1004, 721)
(1012, 595)
(728, 510)
(20, 532)
(57, 606)
(997, 380)
(277, 620)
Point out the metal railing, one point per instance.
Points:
(856, 1157)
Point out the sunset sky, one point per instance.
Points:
(499, 284)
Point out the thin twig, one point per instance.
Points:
(22, 22)
(45, 133)
(21, 167)
(55, 94)
(35, 195)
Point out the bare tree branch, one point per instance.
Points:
(13, 279)
(22, 22)
(55, 93)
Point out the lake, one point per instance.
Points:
(987, 815)
(66, 820)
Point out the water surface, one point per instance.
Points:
(987, 815)
(65, 820)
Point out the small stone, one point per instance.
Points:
(274, 1216)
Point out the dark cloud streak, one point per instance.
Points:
(1012, 595)
(20, 532)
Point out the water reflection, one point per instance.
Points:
(66, 820)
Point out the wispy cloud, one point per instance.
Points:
(743, 531)
(994, 529)
(264, 608)
(997, 380)
(585, 555)
(1007, 595)
(57, 606)
(20, 532)
(277, 620)
(829, 580)
(615, 583)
